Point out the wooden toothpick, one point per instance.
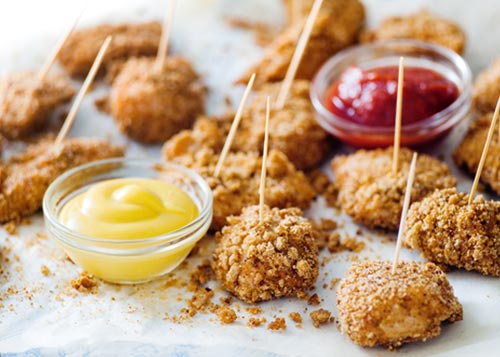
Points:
(52, 58)
(234, 126)
(68, 122)
(485, 152)
(297, 55)
(262, 186)
(165, 35)
(406, 204)
(399, 114)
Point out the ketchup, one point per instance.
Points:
(368, 97)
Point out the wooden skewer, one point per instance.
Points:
(485, 152)
(399, 114)
(165, 35)
(297, 55)
(262, 186)
(406, 204)
(53, 56)
(234, 126)
(68, 122)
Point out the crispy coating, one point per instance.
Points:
(26, 104)
(337, 26)
(447, 230)
(372, 194)
(423, 26)
(129, 40)
(487, 87)
(292, 129)
(468, 153)
(25, 178)
(151, 105)
(259, 261)
(377, 307)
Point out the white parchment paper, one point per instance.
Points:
(44, 316)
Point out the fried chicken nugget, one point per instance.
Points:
(25, 178)
(150, 105)
(377, 307)
(447, 230)
(487, 87)
(129, 40)
(422, 26)
(337, 26)
(372, 194)
(26, 103)
(468, 153)
(292, 129)
(259, 261)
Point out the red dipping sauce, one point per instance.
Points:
(368, 97)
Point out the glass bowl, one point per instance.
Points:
(387, 53)
(127, 261)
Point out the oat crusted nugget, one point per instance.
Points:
(263, 261)
(487, 87)
(129, 40)
(292, 130)
(377, 307)
(151, 105)
(26, 104)
(468, 153)
(25, 178)
(423, 26)
(447, 230)
(337, 26)
(372, 194)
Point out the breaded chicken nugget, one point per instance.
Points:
(447, 230)
(377, 307)
(259, 261)
(487, 88)
(150, 104)
(26, 103)
(337, 26)
(422, 26)
(372, 194)
(129, 40)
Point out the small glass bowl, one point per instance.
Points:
(387, 53)
(127, 261)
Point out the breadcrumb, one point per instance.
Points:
(226, 315)
(278, 323)
(85, 283)
(320, 317)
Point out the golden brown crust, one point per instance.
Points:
(422, 26)
(372, 194)
(377, 307)
(487, 88)
(151, 105)
(129, 40)
(26, 177)
(292, 129)
(26, 104)
(263, 261)
(446, 229)
(337, 26)
(468, 153)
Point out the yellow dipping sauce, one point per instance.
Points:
(129, 209)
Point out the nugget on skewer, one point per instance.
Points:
(129, 40)
(448, 230)
(293, 128)
(377, 307)
(423, 26)
(26, 103)
(487, 87)
(151, 104)
(468, 152)
(259, 261)
(26, 177)
(372, 193)
(337, 26)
